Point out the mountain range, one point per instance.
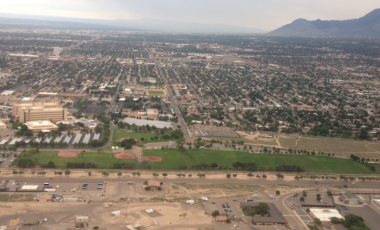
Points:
(369, 25)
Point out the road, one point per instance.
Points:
(197, 180)
(174, 105)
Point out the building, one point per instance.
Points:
(34, 111)
(88, 124)
(221, 219)
(44, 126)
(3, 126)
(29, 188)
(157, 124)
(7, 92)
(349, 198)
(151, 114)
(154, 184)
(56, 51)
(274, 216)
(325, 214)
(81, 219)
(17, 106)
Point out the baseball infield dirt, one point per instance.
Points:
(67, 154)
(152, 159)
(124, 156)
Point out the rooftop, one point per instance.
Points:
(326, 214)
(275, 216)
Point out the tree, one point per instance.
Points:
(95, 228)
(250, 174)
(51, 164)
(302, 199)
(119, 174)
(277, 192)
(234, 175)
(67, 172)
(189, 175)
(317, 221)
(228, 176)
(264, 176)
(262, 208)
(89, 173)
(164, 174)
(215, 213)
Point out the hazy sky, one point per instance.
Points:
(263, 14)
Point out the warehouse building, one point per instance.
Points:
(349, 198)
(325, 215)
(31, 188)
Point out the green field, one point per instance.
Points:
(102, 160)
(122, 133)
(156, 92)
(172, 159)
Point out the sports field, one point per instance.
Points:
(156, 92)
(102, 160)
(172, 159)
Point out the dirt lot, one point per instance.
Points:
(67, 154)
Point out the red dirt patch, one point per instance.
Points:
(127, 138)
(152, 158)
(67, 154)
(124, 156)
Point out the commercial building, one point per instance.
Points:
(325, 214)
(56, 51)
(274, 216)
(151, 114)
(26, 112)
(44, 126)
(88, 124)
(349, 198)
(29, 188)
(7, 93)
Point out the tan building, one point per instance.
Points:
(39, 111)
(149, 114)
(3, 126)
(44, 126)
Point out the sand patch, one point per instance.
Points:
(67, 154)
(152, 159)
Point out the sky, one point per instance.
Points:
(262, 14)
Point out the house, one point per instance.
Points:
(154, 184)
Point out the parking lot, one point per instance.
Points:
(230, 207)
(370, 216)
(215, 133)
(7, 157)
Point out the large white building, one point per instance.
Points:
(325, 214)
(57, 51)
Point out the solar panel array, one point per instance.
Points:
(86, 138)
(67, 139)
(96, 136)
(77, 138)
(58, 139)
(47, 140)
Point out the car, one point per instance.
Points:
(212, 202)
(50, 178)
(225, 210)
(316, 182)
(230, 210)
(353, 182)
(227, 206)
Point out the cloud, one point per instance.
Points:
(265, 14)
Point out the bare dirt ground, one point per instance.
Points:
(127, 138)
(138, 153)
(152, 158)
(124, 155)
(67, 154)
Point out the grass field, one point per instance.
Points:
(172, 159)
(122, 133)
(102, 160)
(156, 92)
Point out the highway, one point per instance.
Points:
(367, 184)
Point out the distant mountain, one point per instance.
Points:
(132, 25)
(369, 25)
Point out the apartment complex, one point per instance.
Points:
(35, 111)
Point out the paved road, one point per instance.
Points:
(174, 105)
(195, 180)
